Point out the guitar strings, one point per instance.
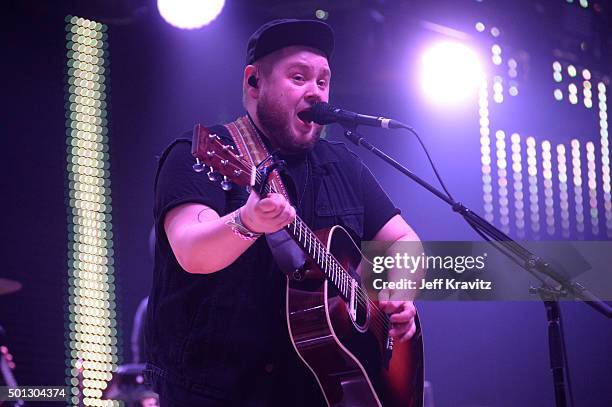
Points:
(381, 318)
(362, 296)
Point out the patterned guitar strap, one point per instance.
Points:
(251, 147)
(288, 255)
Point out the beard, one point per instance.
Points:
(274, 120)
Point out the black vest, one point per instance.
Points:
(213, 332)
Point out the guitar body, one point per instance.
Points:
(336, 330)
(347, 348)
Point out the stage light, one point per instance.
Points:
(532, 171)
(498, 89)
(496, 57)
(450, 73)
(549, 208)
(592, 185)
(517, 176)
(512, 65)
(587, 92)
(189, 14)
(513, 89)
(89, 248)
(321, 14)
(502, 180)
(605, 156)
(485, 148)
(480, 27)
(577, 181)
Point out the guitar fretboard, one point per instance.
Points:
(328, 264)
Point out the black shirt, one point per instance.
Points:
(224, 334)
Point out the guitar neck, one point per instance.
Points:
(316, 250)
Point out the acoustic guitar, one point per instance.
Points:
(336, 329)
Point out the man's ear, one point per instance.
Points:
(250, 81)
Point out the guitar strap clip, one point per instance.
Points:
(267, 170)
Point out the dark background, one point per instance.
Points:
(163, 80)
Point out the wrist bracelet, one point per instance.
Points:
(239, 228)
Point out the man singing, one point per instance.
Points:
(216, 326)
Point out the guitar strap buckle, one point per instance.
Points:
(266, 171)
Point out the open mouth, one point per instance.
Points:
(305, 116)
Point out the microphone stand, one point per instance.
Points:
(553, 287)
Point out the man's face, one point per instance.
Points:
(299, 77)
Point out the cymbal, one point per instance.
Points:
(9, 286)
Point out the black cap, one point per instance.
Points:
(277, 34)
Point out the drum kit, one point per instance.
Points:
(126, 385)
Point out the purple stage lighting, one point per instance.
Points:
(189, 14)
(451, 72)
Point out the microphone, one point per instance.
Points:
(323, 113)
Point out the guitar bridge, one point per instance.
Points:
(386, 359)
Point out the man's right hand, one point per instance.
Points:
(266, 215)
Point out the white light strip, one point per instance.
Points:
(549, 207)
(573, 93)
(517, 176)
(496, 54)
(592, 186)
(605, 155)
(92, 331)
(485, 151)
(532, 170)
(557, 72)
(498, 89)
(563, 194)
(577, 181)
(502, 181)
(587, 91)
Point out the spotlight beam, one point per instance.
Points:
(450, 73)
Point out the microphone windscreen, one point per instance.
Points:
(322, 113)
